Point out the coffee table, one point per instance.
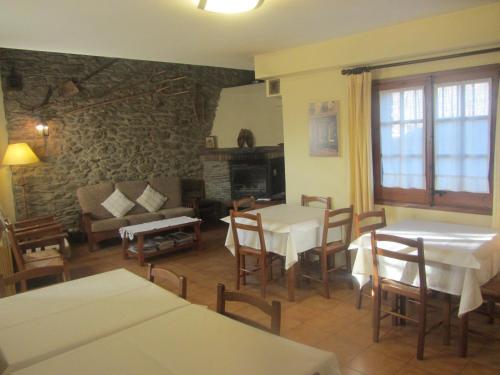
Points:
(155, 228)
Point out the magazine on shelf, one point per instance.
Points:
(181, 237)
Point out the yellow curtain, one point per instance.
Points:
(495, 222)
(360, 141)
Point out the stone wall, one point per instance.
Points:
(109, 119)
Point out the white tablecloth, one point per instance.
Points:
(288, 231)
(42, 323)
(459, 258)
(192, 340)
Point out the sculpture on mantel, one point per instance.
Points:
(246, 137)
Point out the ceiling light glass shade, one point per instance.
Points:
(229, 6)
(19, 154)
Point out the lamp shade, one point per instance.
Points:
(229, 6)
(19, 154)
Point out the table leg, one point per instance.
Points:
(140, 249)
(447, 319)
(464, 328)
(125, 247)
(290, 273)
(197, 233)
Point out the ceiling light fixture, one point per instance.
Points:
(229, 6)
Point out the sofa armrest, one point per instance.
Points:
(193, 203)
(86, 222)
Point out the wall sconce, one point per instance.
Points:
(42, 130)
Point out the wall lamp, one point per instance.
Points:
(42, 130)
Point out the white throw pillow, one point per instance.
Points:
(118, 204)
(151, 200)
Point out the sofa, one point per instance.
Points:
(99, 224)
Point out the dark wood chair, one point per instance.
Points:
(306, 199)
(418, 295)
(33, 248)
(491, 293)
(193, 195)
(365, 223)
(253, 223)
(173, 280)
(273, 309)
(340, 219)
(244, 204)
(22, 277)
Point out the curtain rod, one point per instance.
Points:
(361, 69)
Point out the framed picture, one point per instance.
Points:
(273, 87)
(324, 128)
(211, 142)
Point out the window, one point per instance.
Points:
(433, 139)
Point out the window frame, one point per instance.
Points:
(429, 198)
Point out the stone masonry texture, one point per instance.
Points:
(109, 119)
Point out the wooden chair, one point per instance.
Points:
(306, 199)
(491, 293)
(244, 204)
(22, 277)
(418, 295)
(170, 277)
(365, 223)
(30, 247)
(273, 309)
(340, 219)
(264, 259)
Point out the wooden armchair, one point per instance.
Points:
(175, 281)
(273, 309)
(32, 248)
(306, 199)
(22, 277)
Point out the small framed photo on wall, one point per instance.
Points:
(324, 128)
(211, 142)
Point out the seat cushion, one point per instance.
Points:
(108, 224)
(169, 213)
(169, 187)
(133, 190)
(91, 197)
(143, 218)
(35, 256)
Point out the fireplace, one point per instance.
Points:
(264, 178)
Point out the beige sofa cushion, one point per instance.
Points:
(143, 218)
(169, 213)
(118, 204)
(108, 224)
(170, 187)
(91, 197)
(133, 190)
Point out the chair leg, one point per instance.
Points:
(243, 272)
(395, 308)
(263, 278)
(422, 322)
(377, 302)
(447, 319)
(359, 297)
(238, 271)
(349, 268)
(324, 274)
(491, 311)
(402, 309)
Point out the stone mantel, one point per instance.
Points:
(245, 153)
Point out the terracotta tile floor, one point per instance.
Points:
(334, 324)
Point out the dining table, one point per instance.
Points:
(458, 260)
(119, 323)
(289, 230)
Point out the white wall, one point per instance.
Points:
(248, 107)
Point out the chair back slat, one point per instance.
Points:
(362, 228)
(254, 227)
(273, 310)
(306, 199)
(176, 282)
(418, 259)
(247, 202)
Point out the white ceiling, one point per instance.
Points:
(176, 31)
